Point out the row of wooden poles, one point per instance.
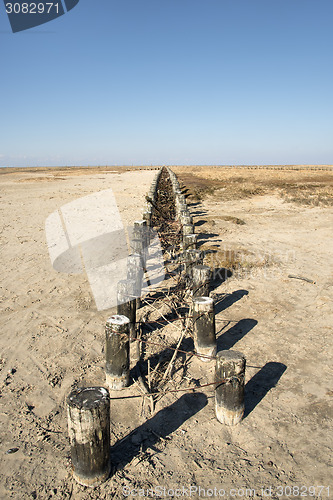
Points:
(88, 408)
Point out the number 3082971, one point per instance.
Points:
(31, 8)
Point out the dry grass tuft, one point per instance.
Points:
(231, 259)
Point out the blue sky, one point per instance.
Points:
(170, 82)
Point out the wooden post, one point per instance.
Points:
(139, 227)
(152, 191)
(180, 207)
(140, 231)
(180, 196)
(229, 394)
(126, 303)
(117, 352)
(188, 229)
(204, 327)
(186, 219)
(147, 216)
(180, 199)
(192, 258)
(201, 276)
(135, 272)
(190, 241)
(185, 213)
(138, 247)
(88, 411)
(175, 184)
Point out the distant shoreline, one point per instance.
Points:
(116, 168)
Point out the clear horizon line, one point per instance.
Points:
(213, 165)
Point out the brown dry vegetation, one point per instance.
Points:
(231, 260)
(303, 186)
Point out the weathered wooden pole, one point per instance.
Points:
(147, 214)
(180, 207)
(229, 391)
(152, 191)
(190, 241)
(180, 201)
(180, 198)
(201, 278)
(139, 228)
(192, 258)
(188, 229)
(186, 219)
(185, 212)
(135, 272)
(117, 352)
(140, 231)
(126, 303)
(88, 411)
(137, 246)
(175, 184)
(204, 327)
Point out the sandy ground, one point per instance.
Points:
(52, 337)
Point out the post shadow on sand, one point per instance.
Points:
(261, 383)
(230, 337)
(194, 204)
(202, 237)
(198, 209)
(199, 223)
(227, 300)
(220, 275)
(161, 425)
(198, 213)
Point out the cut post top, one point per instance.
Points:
(230, 355)
(141, 222)
(193, 254)
(202, 267)
(191, 238)
(204, 300)
(117, 319)
(88, 397)
(203, 304)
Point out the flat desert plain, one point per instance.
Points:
(263, 225)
